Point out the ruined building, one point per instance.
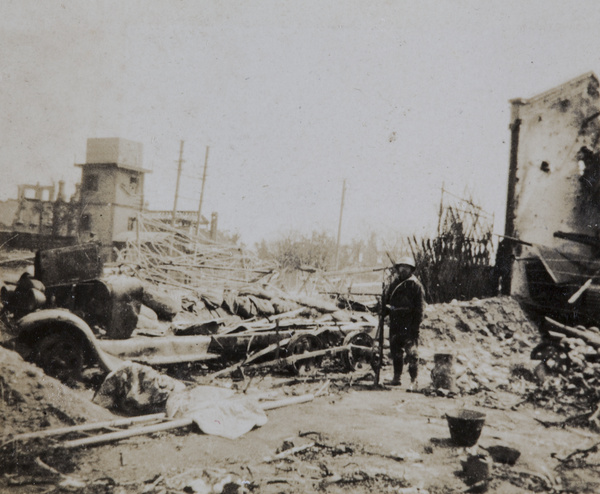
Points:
(112, 190)
(39, 212)
(552, 232)
(105, 208)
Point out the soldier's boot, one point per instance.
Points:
(413, 370)
(396, 380)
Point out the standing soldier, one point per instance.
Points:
(404, 301)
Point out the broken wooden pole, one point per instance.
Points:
(579, 292)
(171, 424)
(115, 436)
(289, 452)
(301, 356)
(89, 427)
(251, 358)
(284, 402)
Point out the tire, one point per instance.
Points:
(356, 359)
(61, 355)
(304, 343)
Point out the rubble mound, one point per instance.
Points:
(489, 339)
(501, 317)
(569, 371)
(30, 400)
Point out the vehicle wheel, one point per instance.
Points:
(304, 343)
(357, 358)
(61, 355)
(545, 351)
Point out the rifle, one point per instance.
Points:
(378, 357)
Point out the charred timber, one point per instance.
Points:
(589, 337)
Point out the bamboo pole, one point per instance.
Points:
(115, 436)
(202, 192)
(179, 166)
(172, 424)
(89, 427)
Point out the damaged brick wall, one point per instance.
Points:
(550, 188)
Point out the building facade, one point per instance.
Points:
(105, 207)
(112, 190)
(553, 199)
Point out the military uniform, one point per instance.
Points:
(404, 302)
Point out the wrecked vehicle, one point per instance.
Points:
(68, 316)
(56, 308)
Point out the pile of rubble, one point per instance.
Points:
(495, 331)
(246, 303)
(30, 399)
(489, 338)
(568, 370)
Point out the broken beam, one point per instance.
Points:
(89, 427)
(308, 355)
(591, 338)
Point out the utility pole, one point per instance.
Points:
(337, 247)
(202, 192)
(180, 163)
(441, 213)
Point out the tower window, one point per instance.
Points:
(133, 183)
(86, 222)
(90, 183)
(131, 223)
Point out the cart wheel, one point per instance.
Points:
(357, 358)
(61, 355)
(304, 343)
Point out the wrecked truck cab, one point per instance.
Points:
(58, 311)
(61, 343)
(73, 278)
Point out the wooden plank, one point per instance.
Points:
(175, 359)
(89, 427)
(294, 400)
(591, 338)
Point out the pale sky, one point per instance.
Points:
(293, 97)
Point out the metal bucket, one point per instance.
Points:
(465, 426)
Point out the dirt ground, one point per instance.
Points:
(356, 437)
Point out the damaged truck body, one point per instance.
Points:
(68, 316)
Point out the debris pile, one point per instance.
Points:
(136, 389)
(488, 338)
(29, 399)
(206, 278)
(569, 370)
(170, 257)
(32, 401)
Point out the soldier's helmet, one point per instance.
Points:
(406, 261)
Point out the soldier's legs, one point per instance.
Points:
(397, 354)
(398, 363)
(411, 348)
